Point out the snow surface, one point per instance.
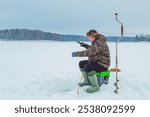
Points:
(46, 70)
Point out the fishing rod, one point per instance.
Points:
(78, 41)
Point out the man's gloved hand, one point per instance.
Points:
(74, 54)
(84, 45)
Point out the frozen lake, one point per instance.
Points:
(46, 70)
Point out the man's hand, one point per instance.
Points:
(74, 54)
(84, 45)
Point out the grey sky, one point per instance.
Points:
(76, 16)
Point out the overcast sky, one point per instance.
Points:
(76, 16)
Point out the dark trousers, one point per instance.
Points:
(88, 66)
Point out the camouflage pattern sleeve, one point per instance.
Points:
(91, 51)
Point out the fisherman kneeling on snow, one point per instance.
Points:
(98, 60)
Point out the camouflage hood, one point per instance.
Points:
(99, 36)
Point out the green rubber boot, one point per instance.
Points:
(86, 81)
(94, 82)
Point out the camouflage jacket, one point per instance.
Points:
(98, 52)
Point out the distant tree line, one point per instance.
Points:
(142, 37)
(26, 34)
(124, 39)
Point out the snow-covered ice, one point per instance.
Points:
(46, 70)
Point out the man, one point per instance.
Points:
(98, 60)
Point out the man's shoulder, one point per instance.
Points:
(102, 37)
